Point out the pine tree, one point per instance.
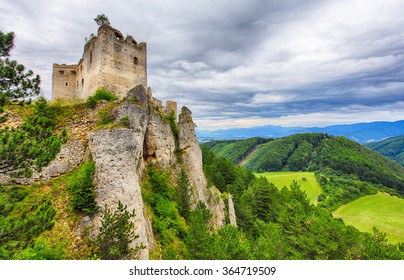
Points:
(15, 82)
(116, 234)
(183, 188)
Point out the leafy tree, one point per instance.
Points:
(101, 19)
(15, 82)
(116, 234)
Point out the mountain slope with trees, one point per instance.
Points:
(392, 148)
(345, 169)
(315, 152)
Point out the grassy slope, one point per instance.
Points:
(310, 185)
(381, 210)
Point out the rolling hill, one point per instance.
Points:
(392, 148)
(311, 152)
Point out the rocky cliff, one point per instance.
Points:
(140, 132)
(121, 154)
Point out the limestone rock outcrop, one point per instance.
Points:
(143, 132)
(117, 154)
(121, 153)
(192, 158)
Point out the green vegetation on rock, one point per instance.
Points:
(81, 188)
(33, 144)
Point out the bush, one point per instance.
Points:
(91, 102)
(103, 94)
(100, 94)
(80, 186)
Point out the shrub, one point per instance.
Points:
(103, 94)
(100, 94)
(80, 186)
(91, 102)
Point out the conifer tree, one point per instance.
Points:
(15, 81)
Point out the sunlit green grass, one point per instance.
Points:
(307, 181)
(381, 210)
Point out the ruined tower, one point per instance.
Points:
(109, 61)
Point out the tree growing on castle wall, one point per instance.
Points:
(101, 19)
(15, 82)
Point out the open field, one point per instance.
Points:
(381, 210)
(309, 184)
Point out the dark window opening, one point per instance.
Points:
(82, 82)
(91, 57)
(66, 84)
(135, 60)
(73, 72)
(61, 72)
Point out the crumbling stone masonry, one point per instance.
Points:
(109, 61)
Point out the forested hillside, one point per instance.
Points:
(317, 152)
(282, 224)
(392, 148)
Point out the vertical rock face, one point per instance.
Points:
(159, 145)
(192, 159)
(116, 155)
(121, 152)
(232, 212)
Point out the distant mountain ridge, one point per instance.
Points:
(359, 132)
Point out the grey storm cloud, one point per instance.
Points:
(238, 63)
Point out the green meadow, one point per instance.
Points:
(381, 210)
(307, 181)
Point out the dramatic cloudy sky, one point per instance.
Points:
(238, 63)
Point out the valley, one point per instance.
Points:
(354, 183)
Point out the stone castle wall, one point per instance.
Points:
(109, 61)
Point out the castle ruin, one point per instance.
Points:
(109, 61)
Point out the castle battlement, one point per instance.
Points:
(109, 61)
